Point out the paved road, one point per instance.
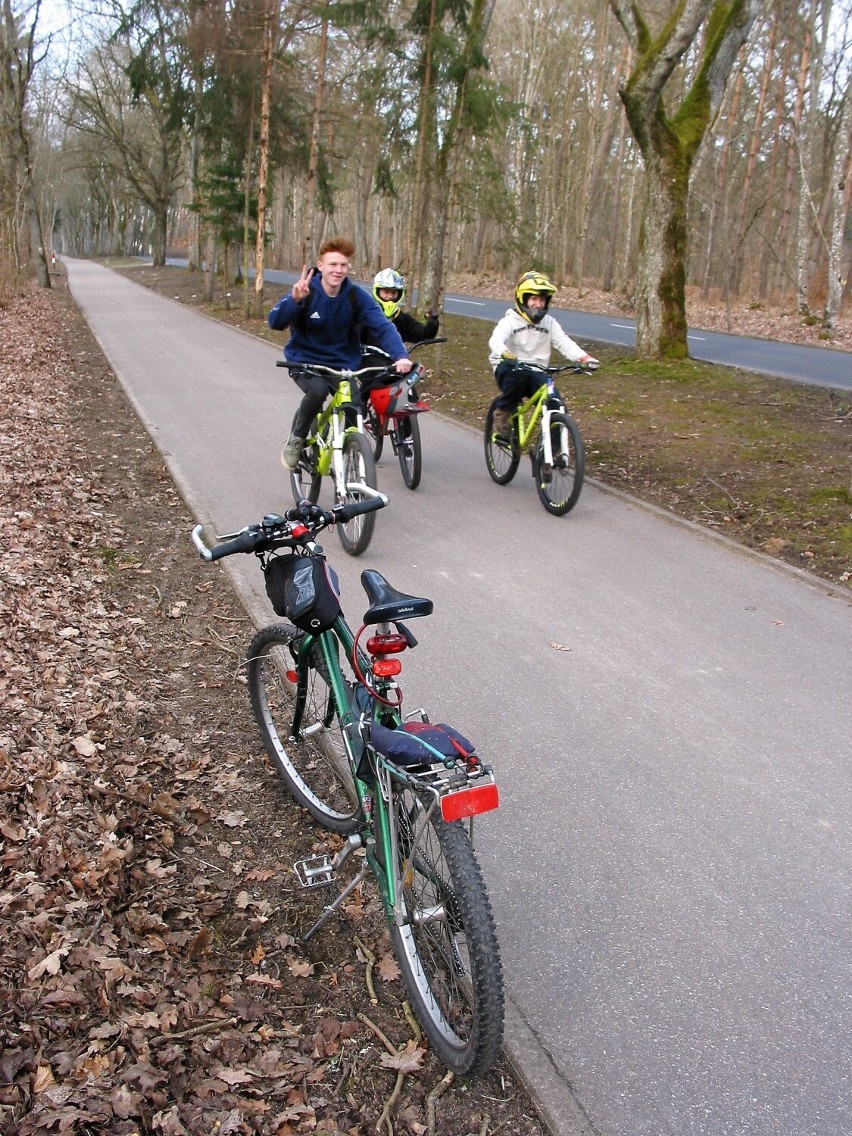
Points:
(817, 366)
(670, 720)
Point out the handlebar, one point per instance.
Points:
(321, 369)
(298, 526)
(557, 368)
(370, 349)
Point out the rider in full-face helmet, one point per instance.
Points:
(524, 335)
(389, 290)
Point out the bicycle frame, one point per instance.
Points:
(535, 411)
(374, 803)
(330, 432)
(373, 800)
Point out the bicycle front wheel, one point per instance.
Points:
(559, 485)
(305, 479)
(313, 763)
(408, 450)
(502, 460)
(359, 469)
(446, 946)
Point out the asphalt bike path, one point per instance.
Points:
(669, 718)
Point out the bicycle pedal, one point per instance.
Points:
(315, 872)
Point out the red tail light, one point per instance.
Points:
(386, 644)
(386, 668)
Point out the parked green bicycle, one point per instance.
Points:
(339, 449)
(397, 788)
(541, 427)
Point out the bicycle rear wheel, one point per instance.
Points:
(359, 468)
(304, 479)
(502, 460)
(408, 449)
(447, 946)
(373, 429)
(314, 765)
(559, 485)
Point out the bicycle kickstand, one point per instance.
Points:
(332, 907)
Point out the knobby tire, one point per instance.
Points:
(372, 426)
(305, 481)
(358, 465)
(502, 461)
(447, 946)
(408, 449)
(560, 493)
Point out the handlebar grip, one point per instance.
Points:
(246, 541)
(352, 509)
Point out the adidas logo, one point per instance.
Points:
(315, 316)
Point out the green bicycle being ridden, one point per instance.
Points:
(541, 427)
(328, 706)
(338, 448)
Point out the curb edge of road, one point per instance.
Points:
(552, 1095)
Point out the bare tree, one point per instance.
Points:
(669, 142)
(18, 62)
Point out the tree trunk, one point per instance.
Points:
(841, 180)
(270, 28)
(736, 263)
(309, 223)
(669, 144)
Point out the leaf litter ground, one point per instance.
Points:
(153, 979)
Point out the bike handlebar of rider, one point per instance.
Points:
(277, 531)
(335, 374)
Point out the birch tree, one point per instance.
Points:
(668, 140)
(18, 62)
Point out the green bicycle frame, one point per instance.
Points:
(378, 795)
(529, 416)
(324, 437)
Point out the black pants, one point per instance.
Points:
(317, 388)
(516, 382)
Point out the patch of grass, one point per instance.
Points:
(830, 496)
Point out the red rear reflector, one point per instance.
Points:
(386, 644)
(469, 802)
(385, 668)
(292, 676)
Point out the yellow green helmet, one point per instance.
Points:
(533, 284)
(389, 279)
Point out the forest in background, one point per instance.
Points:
(462, 136)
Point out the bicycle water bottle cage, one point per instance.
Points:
(387, 605)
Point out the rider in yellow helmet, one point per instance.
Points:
(526, 334)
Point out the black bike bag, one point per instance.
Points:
(305, 590)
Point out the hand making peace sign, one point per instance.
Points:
(303, 285)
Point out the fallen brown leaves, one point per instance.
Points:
(152, 975)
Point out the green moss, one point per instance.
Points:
(830, 496)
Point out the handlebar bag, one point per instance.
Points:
(305, 590)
